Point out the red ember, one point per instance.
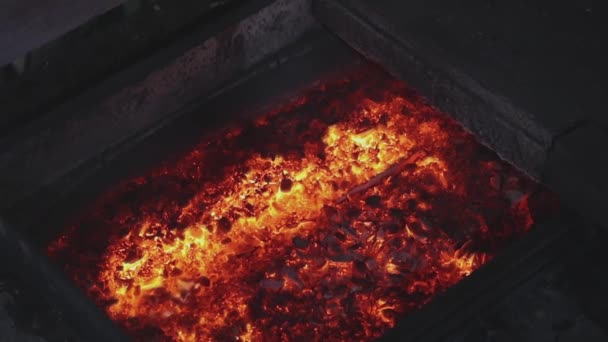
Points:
(327, 219)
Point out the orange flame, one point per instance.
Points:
(325, 220)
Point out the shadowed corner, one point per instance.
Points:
(47, 283)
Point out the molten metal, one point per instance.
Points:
(327, 219)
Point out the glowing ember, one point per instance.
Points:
(327, 219)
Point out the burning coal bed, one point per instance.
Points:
(329, 218)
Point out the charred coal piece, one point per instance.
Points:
(397, 213)
(371, 264)
(347, 229)
(272, 284)
(411, 205)
(332, 214)
(353, 212)
(359, 267)
(397, 242)
(224, 225)
(183, 221)
(133, 255)
(204, 281)
(175, 272)
(286, 184)
(250, 209)
(392, 228)
(300, 243)
(374, 201)
(340, 236)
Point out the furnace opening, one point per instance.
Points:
(328, 218)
